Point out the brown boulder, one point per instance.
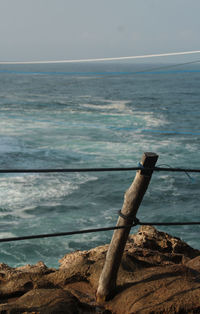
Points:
(148, 237)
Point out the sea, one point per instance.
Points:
(87, 115)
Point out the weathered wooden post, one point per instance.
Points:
(132, 200)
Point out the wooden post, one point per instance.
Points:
(132, 200)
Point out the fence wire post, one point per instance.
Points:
(132, 200)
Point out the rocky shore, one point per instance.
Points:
(158, 274)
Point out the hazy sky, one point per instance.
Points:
(70, 29)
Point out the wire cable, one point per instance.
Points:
(103, 59)
(59, 234)
(64, 170)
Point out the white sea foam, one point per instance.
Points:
(25, 192)
(6, 235)
(151, 120)
(119, 105)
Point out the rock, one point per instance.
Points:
(194, 263)
(47, 301)
(168, 289)
(91, 262)
(17, 281)
(158, 274)
(149, 237)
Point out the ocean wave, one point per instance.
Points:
(20, 193)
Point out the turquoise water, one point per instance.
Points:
(97, 117)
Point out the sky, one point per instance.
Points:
(77, 29)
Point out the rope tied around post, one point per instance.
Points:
(135, 220)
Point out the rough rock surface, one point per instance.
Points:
(158, 274)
